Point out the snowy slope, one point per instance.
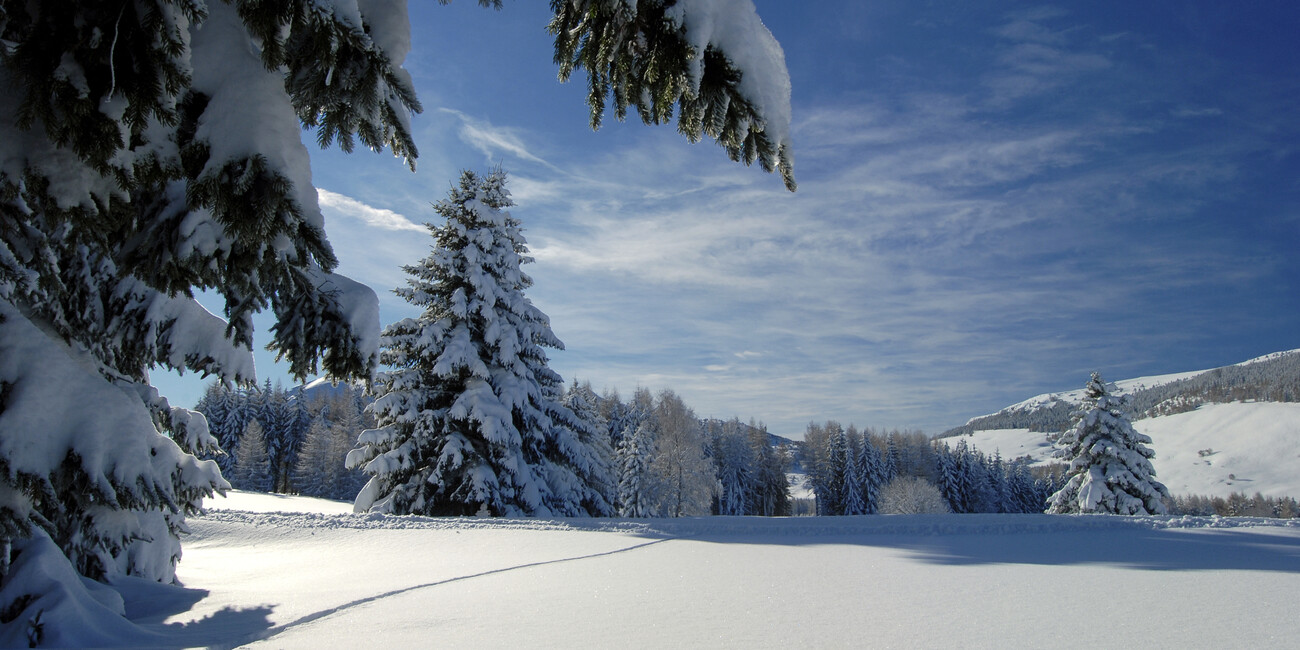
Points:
(1248, 447)
(1124, 386)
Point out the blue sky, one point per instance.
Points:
(995, 199)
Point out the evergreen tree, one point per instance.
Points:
(830, 499)
(734, 467)
(593, 433)
(636, 495)
(1110, 464)
(1023, 496)
(469, 418)
(996, 485)
(893, 460)
(771, 494)
(252, 469)
(673, 68)
(616, 416)
(946, 477)
(855, 475)
(871, 464)
(222, 413)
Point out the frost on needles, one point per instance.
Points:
(470, 420)
(1110, 464)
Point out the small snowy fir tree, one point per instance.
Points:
(1109, 462)
(470, 418)
(636, 496)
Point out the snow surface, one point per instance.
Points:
(733, 26)
(263, 502)
(314, 579)
(1253, 447)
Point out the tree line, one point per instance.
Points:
(856, 472)
(657, 459)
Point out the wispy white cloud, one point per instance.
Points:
(370, 215)
(493, 141)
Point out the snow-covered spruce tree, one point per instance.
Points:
(220, 412)
(735, 467)
(469, 417)
(855, 472)
(636, 487)
(830, 499)
(870, 471)
(1109, 462)
(593, 432)
(147, 149)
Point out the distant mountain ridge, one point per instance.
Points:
(1270, 378)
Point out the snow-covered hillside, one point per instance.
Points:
(1214, 432)
(1130, 386)
(1215, 450)
(321, 579)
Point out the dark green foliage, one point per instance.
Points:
(332, 77)
(641, 58)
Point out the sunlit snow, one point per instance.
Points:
(322, 579)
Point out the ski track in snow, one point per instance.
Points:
(315, 616)
(321, 577)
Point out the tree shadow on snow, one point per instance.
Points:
(1151, 543)
(148, 604)
(1157, 550)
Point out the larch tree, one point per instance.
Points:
(252, 470)
(470, 417)
(152, 148)
(1109, 461)
(683, 475)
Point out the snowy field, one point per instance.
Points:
(1215, 450)
(324, 578)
